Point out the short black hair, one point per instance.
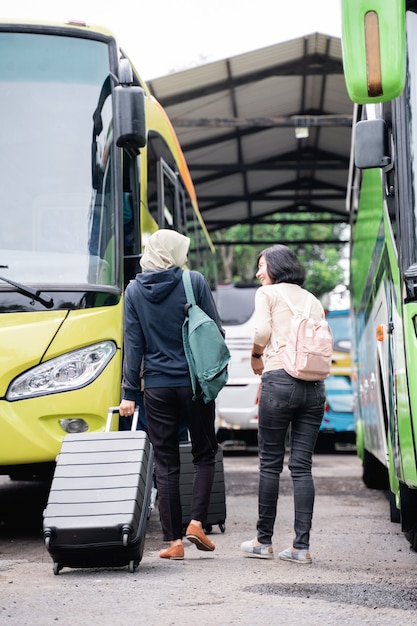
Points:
(283, 265)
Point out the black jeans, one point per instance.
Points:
(166, 409)
(286, 401)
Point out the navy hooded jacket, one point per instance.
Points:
(153, 318)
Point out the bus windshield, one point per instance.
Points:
(56, 225)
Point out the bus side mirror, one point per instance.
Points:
(371, 144)
(129, 117)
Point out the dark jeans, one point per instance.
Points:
(166, 408)
(286, 401)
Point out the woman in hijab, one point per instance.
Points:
(153, 318)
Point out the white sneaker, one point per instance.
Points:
(297, 556)
(263, 551)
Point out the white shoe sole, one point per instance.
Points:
(254, 555)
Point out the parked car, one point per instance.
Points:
(338, 425)
(237, 403)
(340, 324)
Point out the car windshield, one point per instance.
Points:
(340, 325)
(235, 304)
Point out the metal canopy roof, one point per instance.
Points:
(236, 121)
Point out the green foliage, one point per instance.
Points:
(238, 262)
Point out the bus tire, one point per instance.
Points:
(394, 511)
(375, 475)
(411, 536)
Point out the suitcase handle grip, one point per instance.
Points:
(115, 409)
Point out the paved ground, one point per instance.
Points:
(363, 571)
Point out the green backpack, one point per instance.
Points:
(205, 348)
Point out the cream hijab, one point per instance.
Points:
(165, 248)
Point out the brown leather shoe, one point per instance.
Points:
(197, 536)
(175, 553)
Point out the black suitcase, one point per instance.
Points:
(217, 507)
(100, 499)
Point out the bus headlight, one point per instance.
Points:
(64, 373)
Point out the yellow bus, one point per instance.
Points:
(89, 167)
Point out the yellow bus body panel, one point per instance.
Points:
(21, 347)
(30, 428)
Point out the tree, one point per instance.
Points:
(237, 262)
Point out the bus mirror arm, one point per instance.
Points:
(410, 277)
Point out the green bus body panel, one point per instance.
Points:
(365, 232)
(391, 21)
(374, 249)
(407, 420)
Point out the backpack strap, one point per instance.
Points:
(189, 293)
(307, 306)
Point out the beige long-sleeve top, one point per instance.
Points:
(273, 316)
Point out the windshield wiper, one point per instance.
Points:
(30, 293)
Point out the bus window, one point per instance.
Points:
(171, 206)
(169, 215)
(161, 199)
(102, 221)
(132, 232)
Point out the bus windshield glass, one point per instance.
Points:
(56, 225)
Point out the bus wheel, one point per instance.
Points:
(375, 475)
(411, 536)
(394, 512)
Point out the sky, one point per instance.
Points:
(164, 36)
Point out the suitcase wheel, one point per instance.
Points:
(209, 528)
(57, 568)
(133, 566)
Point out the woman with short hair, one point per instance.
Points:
(284, 402)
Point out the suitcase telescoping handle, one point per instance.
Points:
(115, 409)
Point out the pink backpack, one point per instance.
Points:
(309, 350)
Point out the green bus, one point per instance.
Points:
(379, 43)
